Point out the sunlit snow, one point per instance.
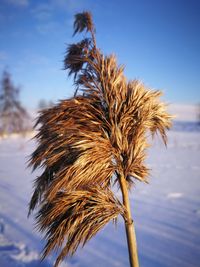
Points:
(166, 211)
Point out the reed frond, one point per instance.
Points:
(74, 218)
(76, 56)
(83, 21)
(86, 140)
(130, 109)
(73, 149)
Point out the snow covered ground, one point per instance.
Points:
(166, 212)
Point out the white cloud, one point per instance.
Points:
(21, 3)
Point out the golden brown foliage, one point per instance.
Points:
(73, 218)
(86, 141)
(83, 21)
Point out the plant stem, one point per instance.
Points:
(129, 225)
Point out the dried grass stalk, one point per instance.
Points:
(75, 217)
(85, 141)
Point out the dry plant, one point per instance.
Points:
(88, 143)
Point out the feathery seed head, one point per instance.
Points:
(83, 21)
(86, 140)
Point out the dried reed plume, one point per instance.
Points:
(90, 141)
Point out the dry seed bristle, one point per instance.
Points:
(84, 141)
(74, 217)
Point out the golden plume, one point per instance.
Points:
(89, 141)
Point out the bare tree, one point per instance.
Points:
(13, 117)
(88, 143)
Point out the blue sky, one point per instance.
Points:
(158, 41)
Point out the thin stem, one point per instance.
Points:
(129, 225)
(93, 37)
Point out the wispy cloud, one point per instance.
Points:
(20, 3)
(47, 27)
(46, 11)
(70, 6)
(49, 16)
(42, 12)
(45, 15)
